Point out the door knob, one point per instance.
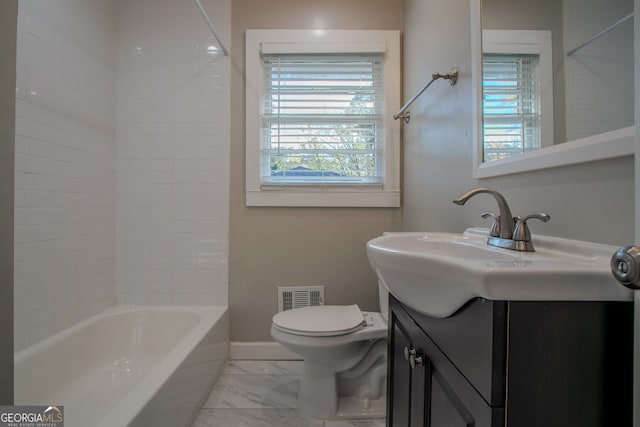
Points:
(625, 266)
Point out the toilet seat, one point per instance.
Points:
(320, 321)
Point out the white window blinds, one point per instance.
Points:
(322, 119)
(511, 105)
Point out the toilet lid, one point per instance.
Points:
(322, 320)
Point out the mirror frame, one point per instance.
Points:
(609, 145)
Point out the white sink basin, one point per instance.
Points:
(437, 273)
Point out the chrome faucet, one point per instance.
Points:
(505, 219)
(507, 231)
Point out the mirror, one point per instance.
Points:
(558, 82)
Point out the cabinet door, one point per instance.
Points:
(408, 375)
(432, 392)
(420, 377)
(434, 403)
(400, 381)
(446, 408)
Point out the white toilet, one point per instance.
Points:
(345, 358)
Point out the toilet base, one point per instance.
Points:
(317, 394)
(343, 376)
(352, 408)
(348, 408)
(329, 395)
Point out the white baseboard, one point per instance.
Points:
(260, 350)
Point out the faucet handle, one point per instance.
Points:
(494, 231)
(521, 232)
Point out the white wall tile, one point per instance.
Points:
(65, 157)
(595, 102)
(172, 144)
(121, 159)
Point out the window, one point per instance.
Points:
(319, 118)
(510, 105)
(517, 94)
(322, 118)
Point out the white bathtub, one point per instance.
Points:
(129, 366)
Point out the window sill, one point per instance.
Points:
(324, 198)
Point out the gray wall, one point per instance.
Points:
(270, 247)
(8, 21)
(593, 201)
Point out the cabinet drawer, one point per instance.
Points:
(474, 340)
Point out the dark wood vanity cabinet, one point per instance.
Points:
(512, 363)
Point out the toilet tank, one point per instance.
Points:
(383, 298)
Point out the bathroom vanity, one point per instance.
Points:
(484, 336)
(511, 363)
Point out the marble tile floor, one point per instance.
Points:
(261, 394)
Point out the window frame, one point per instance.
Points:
(386, 194)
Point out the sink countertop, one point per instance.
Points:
(437, 273)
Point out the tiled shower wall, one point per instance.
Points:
(122, 142)
(596, 101)
(65, 165)
(173, 149)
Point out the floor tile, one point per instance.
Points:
(254, 392)
(262, 394)
(254, 418)
(354, 423)
(270, 367)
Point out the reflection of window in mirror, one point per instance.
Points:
(517, 92)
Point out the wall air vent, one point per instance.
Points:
(299, 296)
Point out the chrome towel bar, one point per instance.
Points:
(405, 115)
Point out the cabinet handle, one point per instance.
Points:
(415, 361)
(412, 356)
(409, 353)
